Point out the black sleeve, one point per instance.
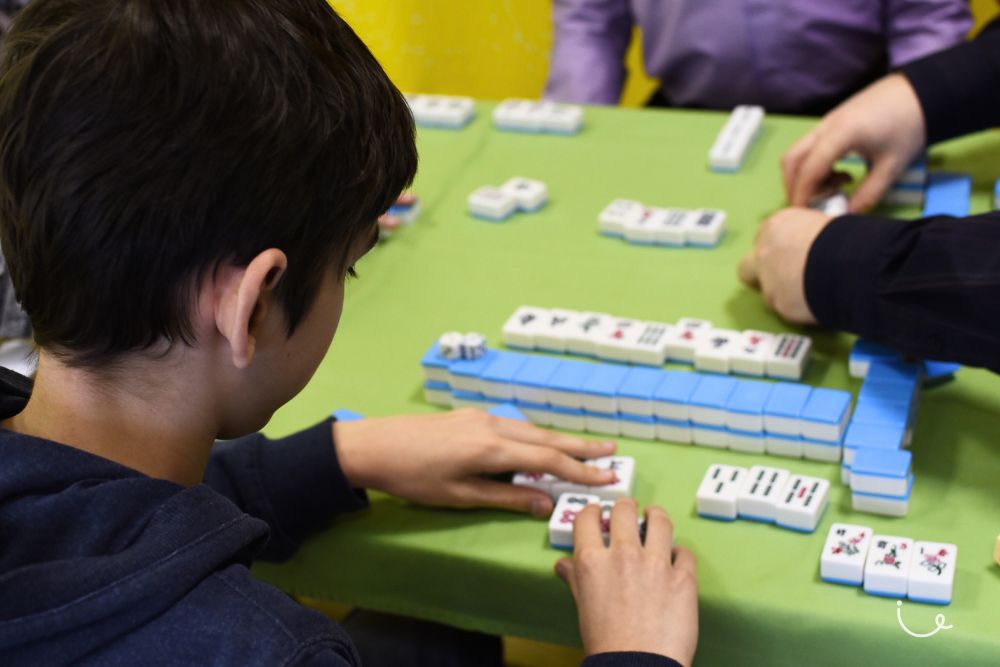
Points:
(629, 659)
(930, 287)
(959, 88)
(295, 484)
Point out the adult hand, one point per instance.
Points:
(632, 596)
(777, 264)
(883, 123)
(440, 459)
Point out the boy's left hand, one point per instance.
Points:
(440, 459)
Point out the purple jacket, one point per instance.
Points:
(791, 56)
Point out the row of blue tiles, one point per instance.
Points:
(947, 194)
(478, 400)
(885, 410)
(752, 397)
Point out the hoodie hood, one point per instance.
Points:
(91, 550)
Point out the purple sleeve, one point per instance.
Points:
(917, 28)
(588, 53)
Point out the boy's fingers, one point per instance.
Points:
(659, 530)
(587, 529)
(625, 522)
(530, 458)
(500, 495)
(685, 560)
(531, 434)
(566, 569)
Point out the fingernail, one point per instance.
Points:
(560, 569)
(607, 446)
(540, 508)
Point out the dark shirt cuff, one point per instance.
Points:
(629, 659)
(958, 88)
(842, 271)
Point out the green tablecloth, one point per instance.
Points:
(762, 601)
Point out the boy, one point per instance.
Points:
(184, 188)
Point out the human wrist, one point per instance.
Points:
(349, 439)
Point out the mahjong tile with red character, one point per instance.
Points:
(568, 506)
(844, 554)
(887, 570)
(932, 572)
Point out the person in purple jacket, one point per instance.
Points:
(185, 188)
(790, 56)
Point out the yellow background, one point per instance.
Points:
(489, 49)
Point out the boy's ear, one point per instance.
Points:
(242, 301)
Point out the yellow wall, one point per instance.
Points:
(484, 48)
(984, 11)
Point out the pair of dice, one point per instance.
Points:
(454, 345)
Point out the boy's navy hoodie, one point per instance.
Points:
(102, 565)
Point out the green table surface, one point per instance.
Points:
(761, 599)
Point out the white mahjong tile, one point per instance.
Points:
(520, 329)
(760, 492)
(707, 229)
(568, 506)
(684, 336)
(643, 229)
(789, 356)
(672, 229)
(530, 195)
(650, 347)
(617, 214)
(624, 469)
(887, 569)
(713, 351)
(491, 203)
(554, 329)
(932, 572)
(585, 331)
(844, 554)
(749, 355)
(617, 337)
(717, 494)
(534, 480)
(802, 503)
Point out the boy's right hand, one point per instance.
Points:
(632, 596)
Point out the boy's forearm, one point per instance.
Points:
(295, 484)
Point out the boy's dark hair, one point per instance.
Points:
(144, 142)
